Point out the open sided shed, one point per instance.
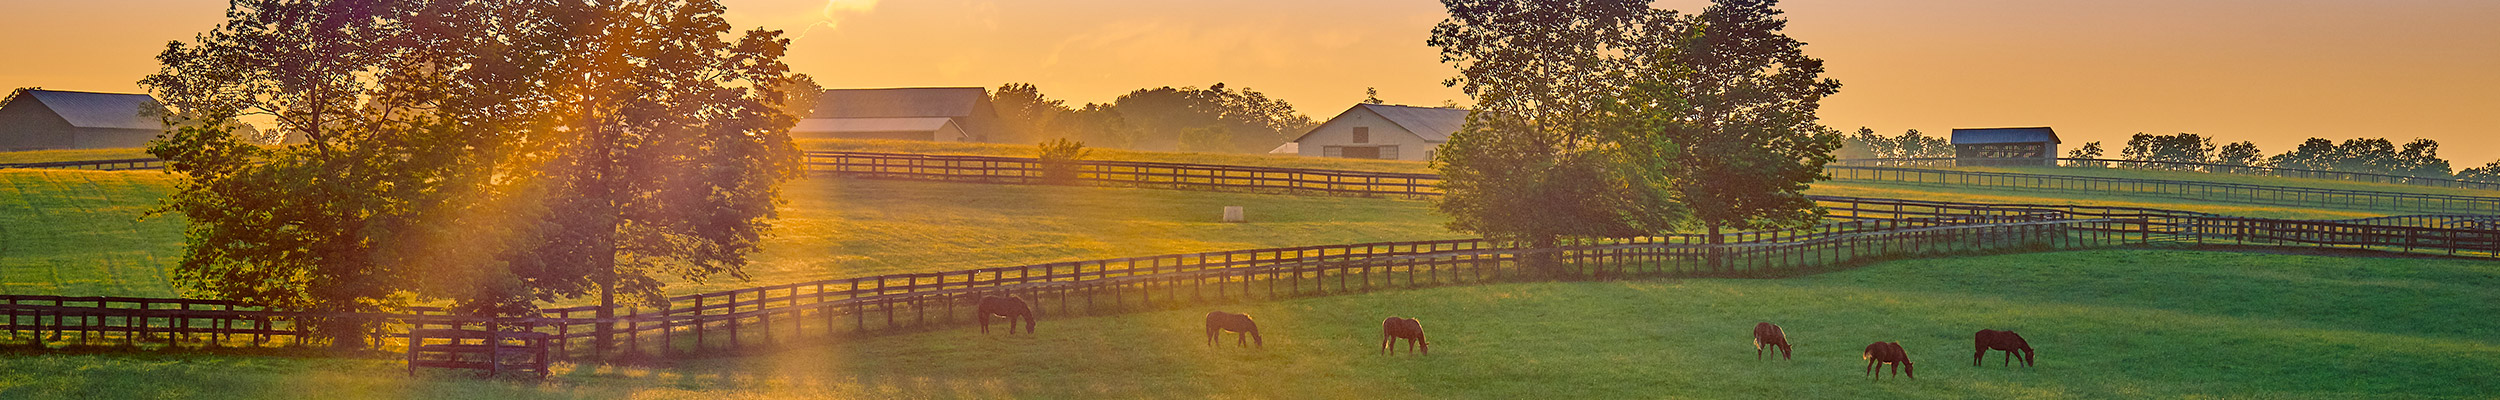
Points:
(2035, 146)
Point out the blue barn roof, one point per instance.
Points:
(2004, 135)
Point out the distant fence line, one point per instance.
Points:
(2200, 167)
(2197, 190)
(99, 165)
(991, 169)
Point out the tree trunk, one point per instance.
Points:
(1542, 258)
(1715, 257)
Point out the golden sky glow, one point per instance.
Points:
(2270, 71)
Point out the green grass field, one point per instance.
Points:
(2108, 324)
(81, 232)
(16, 157)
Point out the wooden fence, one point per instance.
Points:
(100, 165)
(2199, 167)
(2206, 191)
(760, 318)
(1019, 170)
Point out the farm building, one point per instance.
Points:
(2005, 147)
(1382, 131)
(35, 119)
(956, 114)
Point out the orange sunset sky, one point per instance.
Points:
(2272, 71)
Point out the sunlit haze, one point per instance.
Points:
(2273, 71)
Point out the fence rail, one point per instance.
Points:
(99, 165)
(2200, 167)
(2208, 191)
(1865, 230)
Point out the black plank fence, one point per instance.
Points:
(2199, 167)
(760, 318)
(2197, 190)
(100, 165)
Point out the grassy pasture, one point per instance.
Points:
(80, 232)
(2108, 323)
(36, 156)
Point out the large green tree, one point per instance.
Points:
(1751, 140)
(1667, 120)
(495, 154)
(1547, 152)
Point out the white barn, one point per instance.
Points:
(1380, 131)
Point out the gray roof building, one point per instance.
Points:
(2032, 146)
(35, 119)
(896, 113)
(1380, 131)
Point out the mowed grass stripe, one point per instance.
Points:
(2107, 323)
(81, 233)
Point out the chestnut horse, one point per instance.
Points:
(1005, 306)
(1767, 335)
(1410, 329)
(1889, 353)
(1220, 321)
(2005, 341)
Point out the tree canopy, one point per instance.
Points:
(1654, 118)
(495, 154)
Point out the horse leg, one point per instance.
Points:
(1211, 335)
(1977, 355)
(1870, 367)
(1242, 339)
(1385, 342)
(985, 323)
(1757, 350)
(2009, 358)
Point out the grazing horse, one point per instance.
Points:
(1220, 321)
(1766, 335)
(1005, 306)
(1410, 329)
(1889, 353)
(2005, 341)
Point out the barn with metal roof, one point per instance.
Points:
(946, 114)
(1381, 131)
(2034, 146)
(35, 119)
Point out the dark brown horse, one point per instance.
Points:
(1767, 335)
(1889, 353)
(2005, 341)
(1220, 321)
(1005, 306)
(1410, 329)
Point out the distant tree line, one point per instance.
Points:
(1214, 119)
(2418, 158)
(1913, 144)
